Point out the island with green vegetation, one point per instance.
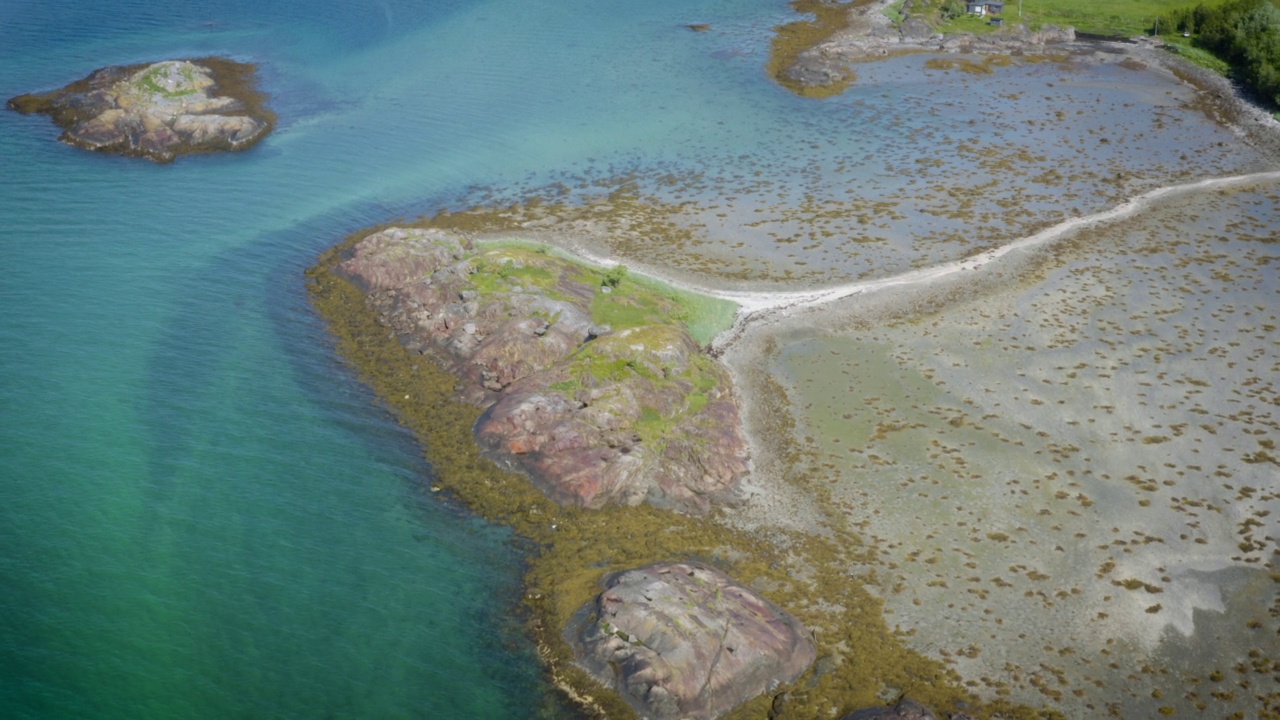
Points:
(590, 383)
(158, 110)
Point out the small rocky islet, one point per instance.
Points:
(158, 110)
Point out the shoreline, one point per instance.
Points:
(867, 35)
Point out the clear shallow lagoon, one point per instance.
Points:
(203, 514)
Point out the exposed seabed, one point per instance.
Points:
(1064, 454)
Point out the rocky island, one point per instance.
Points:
(588, 386)
(158, 110)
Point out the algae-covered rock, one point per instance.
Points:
(599, 397)
(905, 709)
(159, 110)
(683, 640)
(830, 62)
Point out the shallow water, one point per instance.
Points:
(206, 515)
(914, 166)
(1071, 478)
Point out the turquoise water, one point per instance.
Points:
(202, 513)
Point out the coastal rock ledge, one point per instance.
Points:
(683, 640)
(159, 110)
(589, 385)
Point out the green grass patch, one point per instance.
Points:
(894, 12)
(1125, 19)
(502, 269)
(566, 386)
(703, 316)
(643, 301)
(639, 300)
(148, 83)
(1198, 56)
(978, 25)
(651, 425)
(697, 401)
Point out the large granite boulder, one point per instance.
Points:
(158, 110)
(594, 414)
(683, 640)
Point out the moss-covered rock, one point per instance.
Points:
(589, 384)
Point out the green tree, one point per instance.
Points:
(1245, 34)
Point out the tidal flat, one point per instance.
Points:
(1069, 474)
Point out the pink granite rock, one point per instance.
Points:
(683, 640)
(593, 415)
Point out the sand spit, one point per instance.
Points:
(766, 306)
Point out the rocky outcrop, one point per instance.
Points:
(589, 387)
(683, 640)
(828, 63)
(159, 110)
(905, 709)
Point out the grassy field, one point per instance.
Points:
(1126, 17)
(1121, 17)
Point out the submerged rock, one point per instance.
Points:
(599, 398)
(683, 640)
(158, 110)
